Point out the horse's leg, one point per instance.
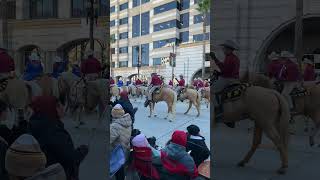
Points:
(154, 112)
(150, 108)
(257, 136)
(198, 108)
(273, 134)
(190, 104)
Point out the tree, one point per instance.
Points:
(204, 9)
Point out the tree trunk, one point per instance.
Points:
(4, 18)
(298, 36)
(204, 46)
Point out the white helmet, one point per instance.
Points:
(34, 57)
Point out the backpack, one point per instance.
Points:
(53, 172)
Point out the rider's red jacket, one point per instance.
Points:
(138, 82)
(200, 84)
(90, 66)
(291, 71)
(6, 63)
(182, 82)
(274, 69)
(170, 83)
(230, 67)
(156, 81)
(111, 81)
(309, 73)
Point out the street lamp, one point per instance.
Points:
(92, 7)
(139, 62)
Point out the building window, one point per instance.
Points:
(113, 9)
(123, 50)
(166, 7)
(145, 54)
(123, 21)
(197, 19)
(161, 43)
(123, 64)
(113, 37)
(123, 6)
(123, 35)
(145, 23)
(78, 8)
(185, 4)
(11, 5)
(165, 25)
(199, 37)
(43, 9)
(136, 26)
(113, 64)
(144, 1)
(135, 3)
(184, 36)
(112, 23)
(135, 56)
(156, 61)
(103, 8)
(184, 20)
(113, 51)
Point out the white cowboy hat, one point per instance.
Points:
(57, 59)
(286, 54)
(34, 56)
(230, 44)
(273, 56)
(307, 61)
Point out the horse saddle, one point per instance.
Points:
(3, 84)
(234, 91)
(299, 92)
(157, 90)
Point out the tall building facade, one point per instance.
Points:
(54, 27)
(143, 29)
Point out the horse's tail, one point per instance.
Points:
(283, 120)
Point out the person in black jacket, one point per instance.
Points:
(126, 104)
(197, 145)
(5, 134)
(55, 141)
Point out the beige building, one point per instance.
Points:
(261, 27)
(53, 27)
(143, 28)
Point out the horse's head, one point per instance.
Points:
(182, 94)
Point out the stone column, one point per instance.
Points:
(64, 7)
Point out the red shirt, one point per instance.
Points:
(7, 63)
(138, 82)
(291, 71)
(309, 73)
(156, 81)
(206, 84)
(181, 82)
(200, 84)
(195, 83)
(230, 67)
(170, 83)
(111, 81)
(90, 66)
(274, 69)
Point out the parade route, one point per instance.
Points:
(231, 145)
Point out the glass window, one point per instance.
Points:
(113, 36)
(156, 61)
(166, 7)
(43, 8)
(135, 56)
(145, 54)
(113, 9)
(123, 50)
(11, 12)
(161, 43)
(78, 8)
(185, 4)
(113, 50)
(112, 23)
(165, 25)
(184, 19)
(136, 26)
(123, 6)
(135, 3)
(113, 64)
(123, 64)
(144, 1)
(123, 21)
(103, 8)
(197, 19)
(199, 37)
(123, 35)
(145, 23)
(184, 36)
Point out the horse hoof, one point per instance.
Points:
(155, 115)
(165, 118)
(241, 164)
(81, 123)
(170, 120)
(185, 113)
(149, 116)
(282, 171)
(198, 115)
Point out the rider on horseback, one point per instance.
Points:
(58, 67)
(111, 82)
(229, 69)
(7, 64)
(181, 84)
(154, 84)
(34, 67)
(91, 67)
(138, 82)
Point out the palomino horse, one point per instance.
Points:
(65, 82)
(307, 103)
(86, 96)
(17, 95)
(167, 95)
(48, 85)
(267, 109)
(205, 94)
(194, 98)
